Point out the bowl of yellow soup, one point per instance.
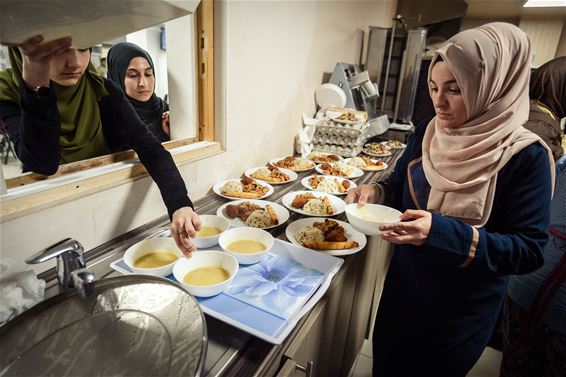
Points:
(248, 245)
(153, 256)
(367, 218)
(210, 229)
(207, 273)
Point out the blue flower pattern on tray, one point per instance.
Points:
(276, 284)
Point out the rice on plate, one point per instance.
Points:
(258, 219)
(328, 185)
(309, 234)
(233, 186)
(315, 207)
(344, 168)
(357, 162)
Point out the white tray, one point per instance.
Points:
(252, 319)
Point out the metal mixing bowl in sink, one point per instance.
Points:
(127, 326)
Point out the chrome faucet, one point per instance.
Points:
(71, 272)
(83, 281)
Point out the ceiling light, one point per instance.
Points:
(544, 3)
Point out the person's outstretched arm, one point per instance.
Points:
(124, 127)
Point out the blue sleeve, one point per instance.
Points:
(128, 130)
(393, 184)
(33, 126)
(514, 237)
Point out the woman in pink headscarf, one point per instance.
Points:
(475, 189)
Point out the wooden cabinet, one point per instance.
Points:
(333, 332)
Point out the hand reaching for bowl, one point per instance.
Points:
(363, 194)
(413, 229)
(185, 224)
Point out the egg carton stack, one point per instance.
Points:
(347, 138)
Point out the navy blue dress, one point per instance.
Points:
(441, 300)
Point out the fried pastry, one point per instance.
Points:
(331, 245)
(243, 195)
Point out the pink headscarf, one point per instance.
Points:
(491, 65)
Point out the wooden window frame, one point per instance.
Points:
(204, 39)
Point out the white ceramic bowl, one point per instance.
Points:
(149, 246)
(206, 258)
(254, 234)
(368, 218)
(214, 221)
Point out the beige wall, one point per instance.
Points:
(561, 48)
(545, 36)
(271, 57)
(469, 23)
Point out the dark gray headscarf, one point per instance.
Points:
(548, 85)
(150, 112)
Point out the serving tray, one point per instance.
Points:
(251, 317)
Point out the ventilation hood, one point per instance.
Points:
(418, 13)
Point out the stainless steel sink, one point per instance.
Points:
(127, 326)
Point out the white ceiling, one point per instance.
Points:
(508, 9)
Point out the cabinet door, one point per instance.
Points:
(288, 369)
(322, 339)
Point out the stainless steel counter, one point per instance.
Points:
(231, 352)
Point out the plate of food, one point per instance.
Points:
(329, 236)
(377, 150)
(313, 203)
(320, 157)
(271, 174)
(254, 213)
(394, 144)
(366, 163)
(339, 169)
(297, 164)
(329, 184)
(245, 188)
(348, 117)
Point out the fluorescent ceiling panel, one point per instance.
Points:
(545, 3)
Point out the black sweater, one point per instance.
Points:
(33, 126)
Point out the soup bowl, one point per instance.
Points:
(206, 258)
(148, 246)
(368, 218)
(213, 221)
(246, 234)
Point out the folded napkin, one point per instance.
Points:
(20, 289)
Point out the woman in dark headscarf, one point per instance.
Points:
(132, 69)
(548, 103)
